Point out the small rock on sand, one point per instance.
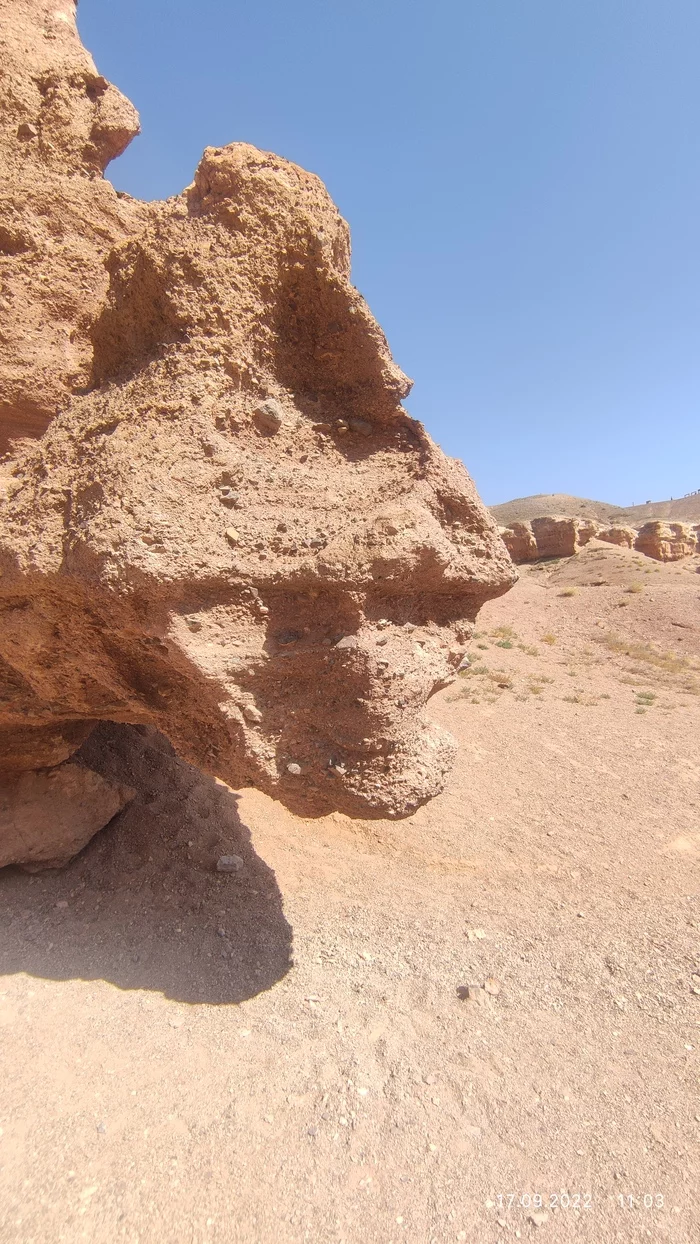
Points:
(229, 864)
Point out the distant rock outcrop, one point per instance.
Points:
(550, 535)
(520, 541)
(667, 542)
(622, 536)
(559, 535)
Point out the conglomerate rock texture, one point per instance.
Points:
(236, 534)
(60, 125)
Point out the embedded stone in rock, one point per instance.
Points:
(360, 426)
(48, 815)
(251, 713)
(269, 416)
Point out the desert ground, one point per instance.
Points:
(478, 1024)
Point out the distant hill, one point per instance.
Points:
(682, 509)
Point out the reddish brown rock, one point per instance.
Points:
(666, 542)
(622, 536)
(238, 535)
(48, 815)
(61, 123)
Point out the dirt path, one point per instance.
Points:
(287, 1054)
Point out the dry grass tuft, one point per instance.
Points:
(505, 632)
(670, 662)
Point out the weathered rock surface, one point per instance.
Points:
(550, 535)
(587, 531)
(556, 535)
(237, 535)
(48, 815)
(60, 125)
(622, 536)
(520, 541)
(667, 542)
(561, 536)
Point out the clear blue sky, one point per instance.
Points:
(522, 180)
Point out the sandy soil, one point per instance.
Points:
(304, 1050)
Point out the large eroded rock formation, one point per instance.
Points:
(236, 534)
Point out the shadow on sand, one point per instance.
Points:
(143, 906)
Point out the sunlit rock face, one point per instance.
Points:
(236, 534)
(61, 123)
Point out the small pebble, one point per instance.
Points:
(232, 535)
(229, 864)
(470, 993)
(228, 496)
(294, 769)
(539, 1218)
(493, 986)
